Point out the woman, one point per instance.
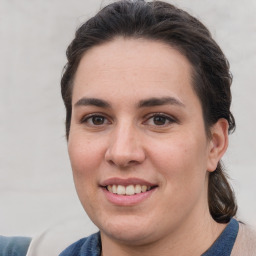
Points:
(147, 96)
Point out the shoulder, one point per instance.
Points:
(90, 246)
(246, 241)
(14, 246)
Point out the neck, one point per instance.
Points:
(193, 239)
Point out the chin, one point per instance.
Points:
(134, 237)
(131, 230)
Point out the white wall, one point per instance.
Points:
(36, 187)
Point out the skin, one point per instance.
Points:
(165, 145)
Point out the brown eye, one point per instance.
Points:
(98, 120)
(159, 120)
(95, 120)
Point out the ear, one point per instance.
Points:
(218, 143)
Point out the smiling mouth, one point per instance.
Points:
(128, 190)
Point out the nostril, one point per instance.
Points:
(111, 162)
(122, 163)
(133, 162)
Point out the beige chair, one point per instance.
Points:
(54, 240)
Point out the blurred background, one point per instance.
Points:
(36, 186)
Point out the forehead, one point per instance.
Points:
(133, 66)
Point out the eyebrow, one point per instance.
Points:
(92, 102)
(151, 102)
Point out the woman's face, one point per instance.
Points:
(137, 142)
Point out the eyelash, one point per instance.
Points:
(166, 118)
(87, 118)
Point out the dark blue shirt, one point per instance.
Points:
(91, 246)
(225, 242)
(14, 246)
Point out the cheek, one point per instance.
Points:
(85, 157)
(183, 160)
(181, 165)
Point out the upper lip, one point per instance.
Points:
(126, 182)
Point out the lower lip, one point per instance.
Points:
(123, 200)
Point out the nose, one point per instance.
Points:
(125, 148)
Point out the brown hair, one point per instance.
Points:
(164, 22)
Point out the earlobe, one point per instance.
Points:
(218, 143)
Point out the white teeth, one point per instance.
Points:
(128, 190)
(120, 190)
(110, 188)
(138, 189)
(114, 189)
(144, 188)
